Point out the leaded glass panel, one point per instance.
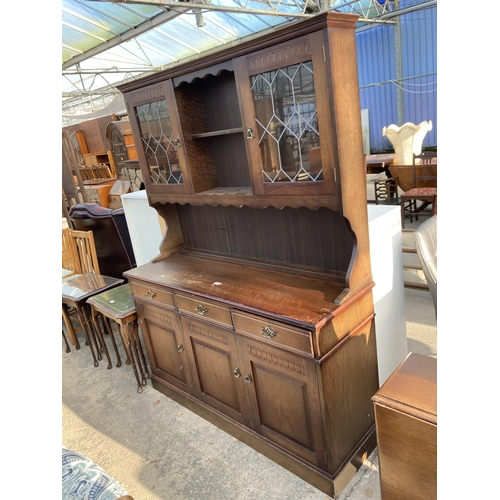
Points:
(287, 119)
(160, 144)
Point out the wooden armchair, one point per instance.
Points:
(424, 187)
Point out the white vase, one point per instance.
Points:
(407, 140)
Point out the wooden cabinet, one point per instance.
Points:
(406, 417)
(253, 156)
(280, 384)
(215, 365)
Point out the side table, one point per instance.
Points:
(76, 290)
(118, 304)
(406, 426)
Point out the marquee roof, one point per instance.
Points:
(105, 43)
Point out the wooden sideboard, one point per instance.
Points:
(258, 311)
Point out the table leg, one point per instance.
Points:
(95, 322)
(82, 317)
(126, 334)
(69, 326)
(109, 329)
(66, 342)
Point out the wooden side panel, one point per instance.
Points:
(407, 450)
(347, 123)
(349, 379)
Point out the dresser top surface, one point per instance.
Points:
(305, 300)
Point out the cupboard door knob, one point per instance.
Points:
(201, 309)
(250, 133)
(248, 378)
(268, 332)
(176, 142)
(237, 372)
(180, 347)
(150, 294)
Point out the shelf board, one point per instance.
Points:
(218, 132)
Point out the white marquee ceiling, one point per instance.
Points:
(107, 42)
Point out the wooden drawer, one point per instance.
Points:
(274, 333)
(151, 294)
(202, 309)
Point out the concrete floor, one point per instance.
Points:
(160, 451)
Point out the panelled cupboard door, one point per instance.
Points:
(286, 116)
(159, 141)
(284, 399)
(215, 367)
(165, 346)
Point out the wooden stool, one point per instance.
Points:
(117, 304)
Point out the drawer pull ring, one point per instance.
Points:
(248, 378)
(180, 347)
(237, 373)
(268, 333)
(150, 294)
(201, 309)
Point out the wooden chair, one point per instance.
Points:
(386, 191)
(79, 257)
(84, 244)
(70, 260)
(424, 187)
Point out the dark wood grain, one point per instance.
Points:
(406, 420)
(315, 239)
(303, 300)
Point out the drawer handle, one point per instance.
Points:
(268, 332)
(150, 294)
(201, 309)
(237, 373)
(180, 347)
(248, 378)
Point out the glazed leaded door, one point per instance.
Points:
(286, 117)
(154, 119)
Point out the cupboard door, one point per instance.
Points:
(216, 370)
(165, 346)
(284, 399)
(158, 137)
(286, 118)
